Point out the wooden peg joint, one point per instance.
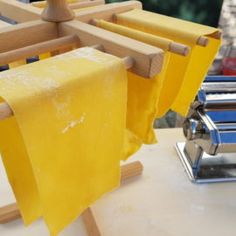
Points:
(203, 41)
(57, 11)
(128, 61)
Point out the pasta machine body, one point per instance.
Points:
(209, 153)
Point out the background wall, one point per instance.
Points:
(200, 11)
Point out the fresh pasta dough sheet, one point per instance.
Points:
(184, 75)
(63, 146)
(143, 93)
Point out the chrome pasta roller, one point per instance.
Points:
(209, 154)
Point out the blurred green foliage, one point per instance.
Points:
(201, 11)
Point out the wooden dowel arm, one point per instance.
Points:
(11, 212)
(148, 59)
(128, 61)
(37, 49)
(131, 170)
(203, 41)
(6, 111)
(174, 47)
(179, 48)
(26, 34)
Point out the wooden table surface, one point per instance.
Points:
(163, 202)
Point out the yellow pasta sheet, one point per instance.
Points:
(63, 146)
(184, 74)
(143, 94)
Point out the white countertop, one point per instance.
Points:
(162, 202)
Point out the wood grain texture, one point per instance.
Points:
(203, 41)
(26, 34)
(131, 170)
(18, 11)
(148, 60)
(9, 213)
(37, 49)
(90, 223)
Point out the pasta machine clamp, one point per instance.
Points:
(209, 154)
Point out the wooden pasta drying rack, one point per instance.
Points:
(57, 29)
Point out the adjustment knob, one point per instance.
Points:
(193, 129)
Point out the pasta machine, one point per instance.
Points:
(209, 154)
